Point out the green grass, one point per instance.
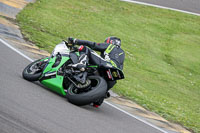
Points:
(162, 66)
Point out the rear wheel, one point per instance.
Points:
(33, 71)
(97, 90)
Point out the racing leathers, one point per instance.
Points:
(110, 54)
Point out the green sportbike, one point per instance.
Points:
(79, 87)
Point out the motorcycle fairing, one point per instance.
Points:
(50, 76)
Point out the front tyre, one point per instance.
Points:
(96, 91)
(32, 72)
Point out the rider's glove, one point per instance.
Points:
(71, 40)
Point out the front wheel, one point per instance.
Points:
(33, 71)
(97, 90)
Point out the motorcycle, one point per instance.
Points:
(79, 87)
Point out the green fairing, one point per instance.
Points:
(56, 84)
(50, 64)
(52, 61)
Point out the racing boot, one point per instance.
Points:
(81, 65)
(98, 103)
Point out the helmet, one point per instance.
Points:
(113, 40)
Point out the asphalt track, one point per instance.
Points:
(192, 6)
(27, 107)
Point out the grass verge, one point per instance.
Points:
(162, 66)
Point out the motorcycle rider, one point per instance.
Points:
(111, 54)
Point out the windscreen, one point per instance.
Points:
(60, 48)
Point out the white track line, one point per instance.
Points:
(147, 123)
(147, 4)
(11, 47)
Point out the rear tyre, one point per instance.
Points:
(96, 91)
(31, 72)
